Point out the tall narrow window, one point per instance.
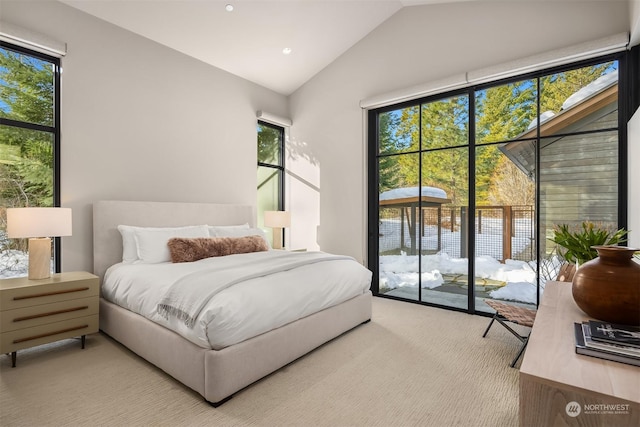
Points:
(270, 169)
(29, 144)
(467, 187)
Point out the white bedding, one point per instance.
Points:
(245, 309)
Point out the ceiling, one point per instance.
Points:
(249, 41)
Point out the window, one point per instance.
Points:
(270, 169)
(466, 187)
(29, 144)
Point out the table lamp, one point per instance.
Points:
(39, 225)
(277, 220)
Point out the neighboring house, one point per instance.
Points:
(578, 169)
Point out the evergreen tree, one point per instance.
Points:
(444, 126)
(503, 113)
(388, 168)
(26, 156)
(268, 145)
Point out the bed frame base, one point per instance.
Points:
(218, 374)
(216, 404)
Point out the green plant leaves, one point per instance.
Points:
(577, 243)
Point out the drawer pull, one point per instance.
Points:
(51, 313)
(35, 337)
(46, 294)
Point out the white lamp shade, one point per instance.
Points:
(38, 222)
(277, 219)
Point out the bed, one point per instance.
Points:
(215, 373)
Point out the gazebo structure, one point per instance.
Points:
(410, 201)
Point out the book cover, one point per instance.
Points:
(613, 333)
(581, 348)
(605, 346)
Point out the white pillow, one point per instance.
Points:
(239, 232)
(152, 244)
(129, 245)
(214, 228)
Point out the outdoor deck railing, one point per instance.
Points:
(503, 232)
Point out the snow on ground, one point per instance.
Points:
(402, 270)
(519, 276)
(13, 264)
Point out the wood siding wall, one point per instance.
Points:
(579, 176)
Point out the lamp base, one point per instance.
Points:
(39, 258)
(277, 238)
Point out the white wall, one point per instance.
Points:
(634, 20)
(417, 45)
(143, 122)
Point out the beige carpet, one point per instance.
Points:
(410, 366)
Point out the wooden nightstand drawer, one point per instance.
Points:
(49, 292)
(35, 312)
(42, 334)
(11, 320)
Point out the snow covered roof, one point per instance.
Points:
(409, 192)
(598, 85)
(543, 118)
(595, 87)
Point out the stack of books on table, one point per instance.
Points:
(619, 343)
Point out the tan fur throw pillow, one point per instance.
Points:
(184, 249)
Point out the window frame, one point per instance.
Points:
(624, 76)
(281, 166)
(54, 130)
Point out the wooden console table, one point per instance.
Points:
(561, 388)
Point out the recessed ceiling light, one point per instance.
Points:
(286, 50)
(229, 8)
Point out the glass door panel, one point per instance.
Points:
(505, 244)
(443, 227)
(398, 244)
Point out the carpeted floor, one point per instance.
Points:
(410, 366)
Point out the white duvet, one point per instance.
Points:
(244, 310)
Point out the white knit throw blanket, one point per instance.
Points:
(187, 296)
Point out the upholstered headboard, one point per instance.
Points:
(107, 215)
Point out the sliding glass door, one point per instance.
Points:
(490, 171)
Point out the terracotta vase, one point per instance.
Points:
(607, 288)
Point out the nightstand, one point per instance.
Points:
(35, 312)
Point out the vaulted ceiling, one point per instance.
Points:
(249, 40)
